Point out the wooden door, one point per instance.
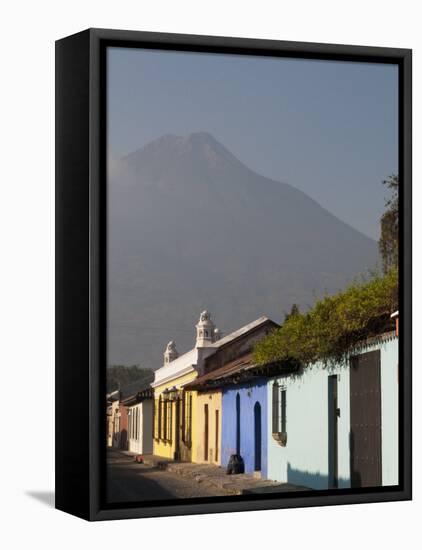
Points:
(206, 430)
(257, 436)
(217, 435)
(365, 420)
(333, 414)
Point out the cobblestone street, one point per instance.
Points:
(129, 481)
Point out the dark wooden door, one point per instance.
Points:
(177, 430)
(206, 430)
(333, 414)
(258, 436)
(365, 420)
(217, 434)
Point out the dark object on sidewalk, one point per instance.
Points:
(235, 465)
(139, 459)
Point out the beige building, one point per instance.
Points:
(207, 439)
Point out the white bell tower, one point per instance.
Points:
(205, 331)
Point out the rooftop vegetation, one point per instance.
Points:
(335, 324)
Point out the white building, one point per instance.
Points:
(139, 430)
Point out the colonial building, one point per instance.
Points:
(174, 408)
(140, 414)
(187, 425)
(224, 426)
(337, 425)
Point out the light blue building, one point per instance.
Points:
(337, 426)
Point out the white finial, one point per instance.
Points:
(171, 352)
(217, 334)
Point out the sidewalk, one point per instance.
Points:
(235, 484)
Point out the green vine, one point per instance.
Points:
(334, 325)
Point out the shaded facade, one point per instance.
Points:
(118, 411)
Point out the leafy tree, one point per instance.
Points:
(334, 325)
(119, 376)
(294, 310)
(389, 240)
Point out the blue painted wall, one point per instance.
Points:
(249, 395)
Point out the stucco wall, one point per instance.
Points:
(305, 458)
(249, 395)
(390, 412)
(214, 402)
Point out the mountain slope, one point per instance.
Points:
(191, 227)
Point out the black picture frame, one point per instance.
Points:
(81, 274)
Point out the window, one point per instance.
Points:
(165, 409)
(160, 417)
(156, 419)
(279, 427)
(169, 420)
(187, 433)
(283, 410)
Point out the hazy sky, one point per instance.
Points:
(328, 128)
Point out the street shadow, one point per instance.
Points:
(313, 480)
(45, 497)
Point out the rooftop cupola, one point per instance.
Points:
(171, 353)
(205, 331)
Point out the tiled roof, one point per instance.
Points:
(223, 374)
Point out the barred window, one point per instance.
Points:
(279, 409)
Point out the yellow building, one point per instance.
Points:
(174, 408)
